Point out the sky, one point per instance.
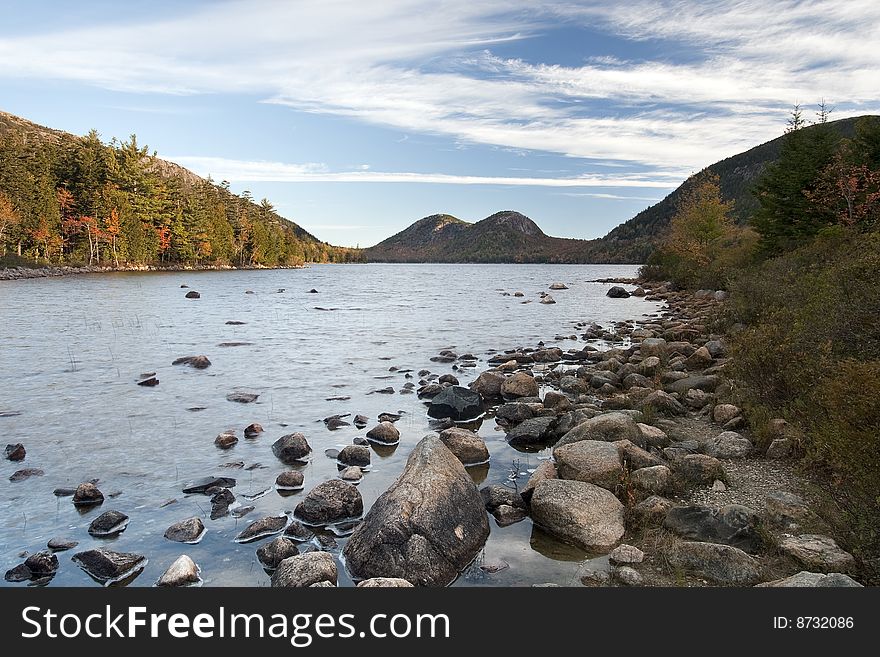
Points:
(356, 118)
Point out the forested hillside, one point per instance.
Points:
(78, 200)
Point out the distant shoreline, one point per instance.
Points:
(22, 273)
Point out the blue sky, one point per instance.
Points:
(357, 118)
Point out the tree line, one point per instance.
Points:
(81, 201)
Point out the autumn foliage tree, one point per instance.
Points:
(9, 218)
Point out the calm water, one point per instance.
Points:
(71, 350)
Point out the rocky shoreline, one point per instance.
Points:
(21, 273)
(649, 463)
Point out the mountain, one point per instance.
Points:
(134, 207)
(634, 240)
(506, 236)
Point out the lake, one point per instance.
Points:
(72, 350)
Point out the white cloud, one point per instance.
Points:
(242, 171)
(411, 64)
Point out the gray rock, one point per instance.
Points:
(42, 564)
(733, 524)
(782, 509)
(617, 292)
(654, 480)
(724, 413)
(817, 552)
(652, 436)
(530, 433)
(220, 502)
(107, 566)
(467, 446)
(275, 551)
(253, 430)
(306, 570)
(650, 512)
(698, 470)
(519, 384)
(383, 582)
(780, 448)
(722, 564)
(190, 530)
(109, 523)
(609, 427)
(627, 576)
(700, 359)
(355, 455)
(496, 495)
(514, 412)
(242, 397)
(384, 433)
(296, 531)
(663, 403)
(261, 528)
(625, 554)
(330, 502)
(545, 470)
(806, 579)
(61, 544)
(653, 347)
(457, 403)
(183, 572)
(705, 383)
(202, 485)
(352, 474)
(592, 461)
(427, 527)
(579, 513)
(506, 515)
(292, 449)
(728, 445)
(192, 294)
(635, 457)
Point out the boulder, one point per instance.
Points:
(275, 551)
(653, 347)
(806, 579)
(617, 292)
(190, 531)
(699, 360)
(290, 480)
(107, 566)
(467, 446)
(545, 470)
(514, 412)
(262, 528)
(728, 445)
(783, 509)
(520, 384)
(198, 362)
(355, 455)
(192, 294)
(292, 449)
(531, 433)
(706, 383)
(609, 427)
(698, 470)
(733, 524)
(15, 452)
(427, 527)
(330, 502)
(109, 523)
(579, 513)
(457, 403)
(651, 512)
(627, 576)
(817, 552)
(724, 413)
(625, 554)
(722, 564)
(592, 461)
(654, 480)
(663, 403)
(226, 440)
(506, 515)
(383, 582)
(42, 564)
(488, 385)
(352, 474)
(87, 494)
(183, 572)
(305, 570)
(635, 458)
(652, 436)
(496, 495)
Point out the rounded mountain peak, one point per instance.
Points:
(512, 220)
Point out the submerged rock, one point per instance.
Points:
(109, 523)
(149, 383)
(427, 527)
(183, 572)
(198, 362)
(261, 528)
(61, 544)
(107, 566)
(205, 484)
(87, 494)
(292, 449)
(192, 294)
(242, 397)
(226, 440)
(190, 530)
(330, 502)
(15, 452)
(617, 292)
(457, 403)
(253, 430)
(298, 532)
(355, 455)
(305, 570)
(220, 502)
(352, 474)
(42, 564)
(26, 473)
